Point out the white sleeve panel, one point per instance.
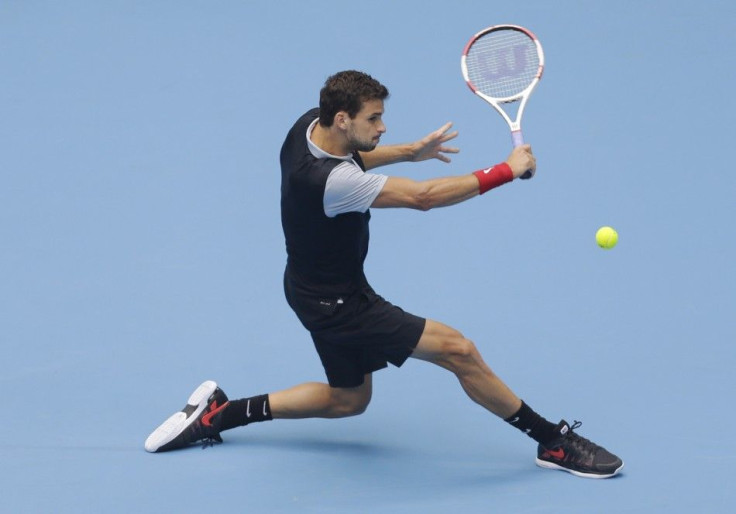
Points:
(350, 189)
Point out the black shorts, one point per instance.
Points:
(357, 335)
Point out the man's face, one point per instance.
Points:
(364, 131)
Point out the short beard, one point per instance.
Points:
(362, 146)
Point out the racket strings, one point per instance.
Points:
(502, 63)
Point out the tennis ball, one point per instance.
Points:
(606, 237)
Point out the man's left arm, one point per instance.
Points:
(431, 146)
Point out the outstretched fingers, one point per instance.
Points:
(432, 146)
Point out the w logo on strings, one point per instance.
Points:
(505, 63)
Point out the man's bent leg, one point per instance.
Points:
(319, 400)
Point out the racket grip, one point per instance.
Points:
(518, 139)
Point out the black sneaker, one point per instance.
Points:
(577, 455)
(199, 420)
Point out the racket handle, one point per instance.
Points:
(518, 139)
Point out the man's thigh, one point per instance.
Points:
(436, 342)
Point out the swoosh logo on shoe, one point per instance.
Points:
(559, 453)
(214, 409)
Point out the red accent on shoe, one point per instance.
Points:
(558, 454)
(214, 409)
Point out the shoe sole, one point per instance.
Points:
(178, 422)
(551, 465)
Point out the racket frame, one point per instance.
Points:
(515, 125)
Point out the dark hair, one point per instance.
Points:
(346, 91)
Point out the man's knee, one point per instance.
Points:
(459, 352)
(349, 407)
(349, 404)
(448, 348)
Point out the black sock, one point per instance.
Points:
(248, 410)
(533, 425)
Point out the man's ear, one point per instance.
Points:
(341, 120)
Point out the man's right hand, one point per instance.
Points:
(522, 160)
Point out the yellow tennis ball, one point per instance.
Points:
(606, 237)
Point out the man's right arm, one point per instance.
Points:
(427, 194)
(441, 192)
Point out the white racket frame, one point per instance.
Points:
(515, 125)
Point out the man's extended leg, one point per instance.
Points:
(559, 447)
(446, 347)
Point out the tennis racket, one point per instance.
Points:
(502, 65)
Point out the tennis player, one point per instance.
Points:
(326, 196)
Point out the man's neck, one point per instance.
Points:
(329, 142)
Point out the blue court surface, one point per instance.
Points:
(142, 254)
